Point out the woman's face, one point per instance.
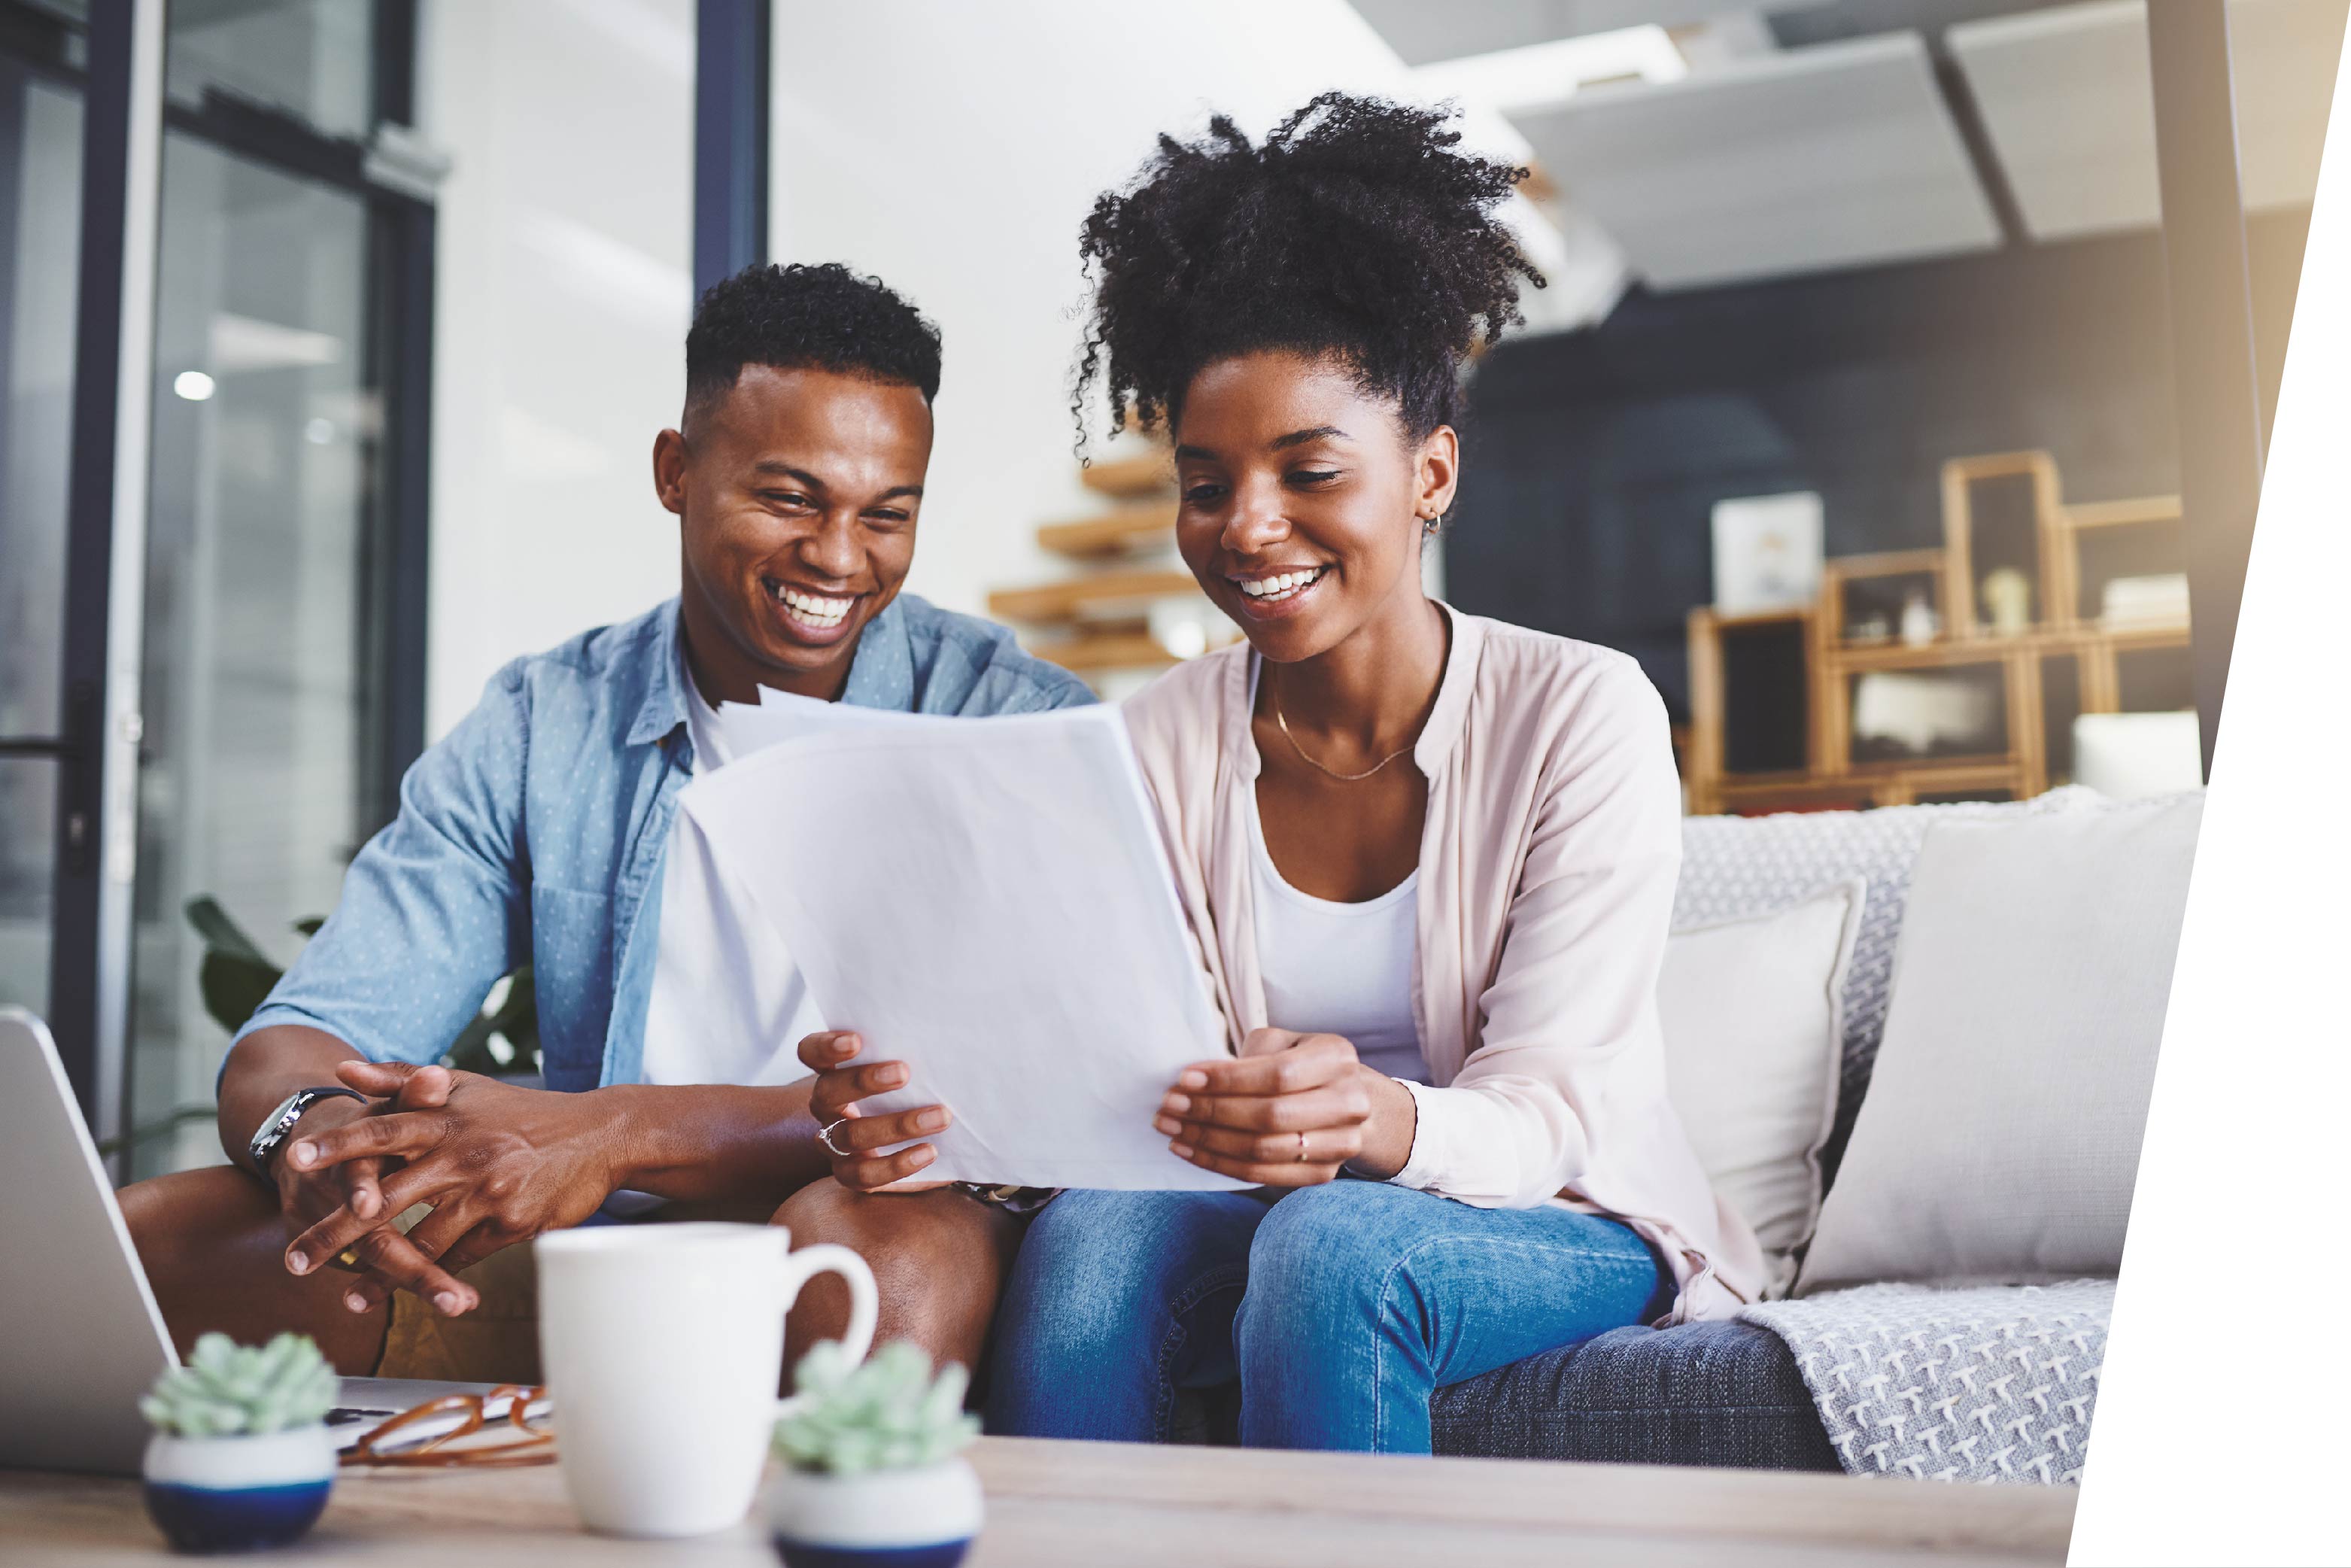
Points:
(1302, 507)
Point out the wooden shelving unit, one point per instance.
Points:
(1771, 696)
(1097, 621)
(1139, 527)
(1144, 474)
(1099, 596)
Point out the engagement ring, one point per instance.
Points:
(824, 1136)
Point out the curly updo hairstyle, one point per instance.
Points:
(1358, 232)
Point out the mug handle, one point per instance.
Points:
(864, 1301)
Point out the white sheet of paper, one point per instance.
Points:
(989, 901)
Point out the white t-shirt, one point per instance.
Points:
(729, 1005)
(1339, 969)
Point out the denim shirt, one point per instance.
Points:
(536, 829)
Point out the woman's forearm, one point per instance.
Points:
(717, 1139)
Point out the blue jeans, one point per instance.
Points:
(1340, 1308)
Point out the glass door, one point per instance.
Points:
(267, 686)
(40, 226)
(254, 694)
(263, 687)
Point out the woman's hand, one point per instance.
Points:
(1290, 1110)
(833, 1102)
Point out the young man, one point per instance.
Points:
(539, 829)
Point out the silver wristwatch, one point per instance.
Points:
(278, 1126)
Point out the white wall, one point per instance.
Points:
(954, 150)
(564, 287)
(950, 148)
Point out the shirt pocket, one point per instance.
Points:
(571, 972)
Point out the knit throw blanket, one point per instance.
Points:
(1995, 1384)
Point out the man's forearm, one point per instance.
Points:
(717, 1141)
(266, 1066)
(684, 1141)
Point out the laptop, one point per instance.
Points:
(81, 1336)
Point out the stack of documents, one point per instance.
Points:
(989, 901)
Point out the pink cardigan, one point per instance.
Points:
(1547, 869)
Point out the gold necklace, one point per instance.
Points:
(1279, 719)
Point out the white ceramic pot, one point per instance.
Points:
(237, 1494)
(922, 1517)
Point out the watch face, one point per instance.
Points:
(273, 1126)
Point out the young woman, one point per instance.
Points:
(1429, 858)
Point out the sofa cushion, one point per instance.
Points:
(2000, 1141)
(1750, 1009)
(1722, 1393)
(1734, 867)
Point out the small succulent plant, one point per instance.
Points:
(887, 1414)
(229, 1390)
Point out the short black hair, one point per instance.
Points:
(820, 318)
(1357, 231)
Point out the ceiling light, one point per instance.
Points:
(1546, 73)
(193, 385)
(248, 343)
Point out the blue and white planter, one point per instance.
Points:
(922, 1517)
(238, 1494)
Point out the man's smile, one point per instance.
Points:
(813, 615)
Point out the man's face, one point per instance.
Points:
(798, 493)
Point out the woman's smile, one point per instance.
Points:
(1273, 594)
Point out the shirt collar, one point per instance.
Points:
(663, 708)
(1451, 714)
(881, 673)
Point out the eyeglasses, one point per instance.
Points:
(529, 1444)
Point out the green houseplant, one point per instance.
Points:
(234, 976)
(874, 1471)
(229, 1390)
(241, 1456)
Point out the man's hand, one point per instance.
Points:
(309, 1195)
(1290, 1110)
(499, 1165)
(833, 1104)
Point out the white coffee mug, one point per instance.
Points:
(662, 1346)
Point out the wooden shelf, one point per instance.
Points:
(1882, 786)
(1838, 576)
(1129, 530)
(1890, 563)
(2000, 764)
(1145, 474)
(2031, 665)
(2111, 514)
(1054, 603)
(2052, 576)
(1986, 648)
(1092, 653)
(2140, 634)
(1095, 622)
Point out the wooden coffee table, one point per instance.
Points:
(1086, 1505)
